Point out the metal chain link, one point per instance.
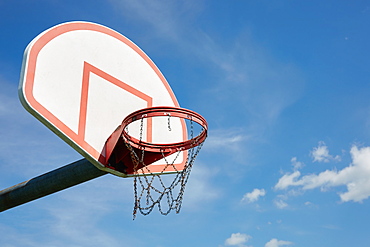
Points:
(169, 123)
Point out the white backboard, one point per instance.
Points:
(81, 79)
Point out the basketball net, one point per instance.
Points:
(154, 189)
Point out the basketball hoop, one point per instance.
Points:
(133, 155)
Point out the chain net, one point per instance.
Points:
(160, 189)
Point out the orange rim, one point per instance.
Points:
(165, 111)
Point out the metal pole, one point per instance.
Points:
(48, 183)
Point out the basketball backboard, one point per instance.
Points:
(81, 79)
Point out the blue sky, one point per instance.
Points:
(284, 86)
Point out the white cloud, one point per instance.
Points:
(276, 243)
(254, 195)
(289, 179)
(279, 203)
(225, 139)
(331, 227)
(321, 154)
(296, 164)
(355, 177)
(237, 239)
(228, 141)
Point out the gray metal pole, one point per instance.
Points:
(48, 183)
